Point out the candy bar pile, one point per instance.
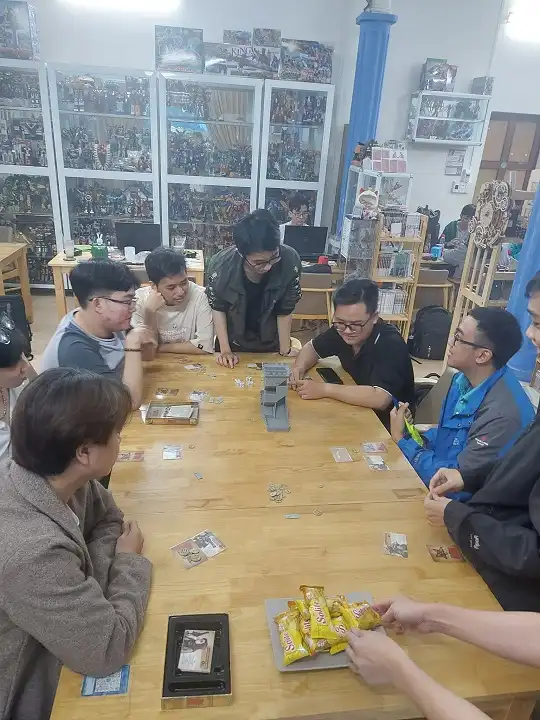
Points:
(318, 624)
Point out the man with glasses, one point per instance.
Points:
(298, 214)
(485, 410)
(93, 336)
(253, 289)
(370, 350)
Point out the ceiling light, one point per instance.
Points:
(524, 21)
(132, 6)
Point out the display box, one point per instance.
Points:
(18, 31)
(172, 413)
(193, 689)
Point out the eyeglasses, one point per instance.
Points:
(6, 323)
(458, 339)
(264, 263)
(127, 303)
(300, 213)
(353, 327)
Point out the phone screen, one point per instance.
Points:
(330, 376)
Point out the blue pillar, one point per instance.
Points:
(368, 83)
(529, 264)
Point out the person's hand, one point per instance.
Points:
(401, 614)
(397, 421)
(434, 507)
(311, 390)
(444, 481)
(227, 359)
(155, 301)
(137, 337)
(374, 656)
(131, 540)
(297, 374)
(293, 352)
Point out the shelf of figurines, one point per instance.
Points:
(447, 118)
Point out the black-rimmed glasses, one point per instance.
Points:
(353, 327)
(259, 265)
(458, 339)
(127, 303)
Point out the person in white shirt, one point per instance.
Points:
(15, 372)
(174, 309)
(298, 213)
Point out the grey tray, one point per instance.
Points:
(323, 661)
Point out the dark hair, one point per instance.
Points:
(164, 262)
(358, 290)
(11, 353)
(100, 277)
(533, 286)
(469, 211)
(298, 201)
(61, 410)
(500, 331)
(258, 232)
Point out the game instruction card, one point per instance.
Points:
(115, 684)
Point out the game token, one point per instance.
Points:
(321, 486)
(318, 513)
(192, 447)
(198, 476)
(239, 383)
(184, 551)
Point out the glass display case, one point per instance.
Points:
(294, 148)
(210, 141)
(106, 139)
(28, 190)
(447, 118)
(394, 188)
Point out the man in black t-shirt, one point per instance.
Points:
(370, 350)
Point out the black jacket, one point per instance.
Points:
(226, 293)
(498, 530)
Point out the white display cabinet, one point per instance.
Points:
(297, 118)
(28, 189)
(106, 138)
(394, 188)
(210, 143)
(447, 118)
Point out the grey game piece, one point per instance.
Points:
(274, 397)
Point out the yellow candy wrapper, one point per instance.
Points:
(341, 630)
(309, 642)
(321, 623)
(301, 606)
(334, 605)
(288, 624)
(360, 615)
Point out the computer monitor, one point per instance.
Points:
(141, 236)
(309, 242)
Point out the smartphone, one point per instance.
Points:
(330, 376)
(413, 432)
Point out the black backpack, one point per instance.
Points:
(13, 306)
(430, 333)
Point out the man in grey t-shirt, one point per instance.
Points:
(93, 336)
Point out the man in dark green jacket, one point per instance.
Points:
(253, 289)
(455, 239)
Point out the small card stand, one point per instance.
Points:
(197, 690)
(170, 413)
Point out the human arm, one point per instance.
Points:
(305, 360)
(133, 369)
(362, 395)
(225, 357)
(181, 348)
(284, 324)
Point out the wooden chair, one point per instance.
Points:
(316, 301)
(433, 289)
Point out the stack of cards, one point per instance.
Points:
(199, 549)
(130, 457)
(376, 462)
(196, 651)
(396, 544)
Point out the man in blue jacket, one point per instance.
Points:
(485, 410)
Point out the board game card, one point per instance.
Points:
(374, 447)
(254, 366)
(196, 651)
(198, 396)
(194, 366)
(209, 543)
(190, 553)
(115, 684)
(341, 454)
(376, 462)
(396, 544)
(130, 457)
(173, 452)
(445, 553)
(166, 392)
(408, 493)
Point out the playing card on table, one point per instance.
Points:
(376, 462)
(115, 684)
(209, 543)
(196, 651)
(190, 553)
(193, 366)
(374, 447)
(166, 392)
(341, 454)
(130, 457)
(396, 544)
(198, 396)
(408, 493)
(173, 452)
(445, 553)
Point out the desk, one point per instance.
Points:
(15, 254)
(61, 266)
(270, 556)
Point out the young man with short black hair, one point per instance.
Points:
(455, 238)
(173, 309)
(485, 409)
(93, 336)
(298, 213)
(370, 350)
(498, 529)
(253, 289)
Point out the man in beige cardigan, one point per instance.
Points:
(73, 583)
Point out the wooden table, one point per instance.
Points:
(15, 254)
(269, 555)
(60, 266)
